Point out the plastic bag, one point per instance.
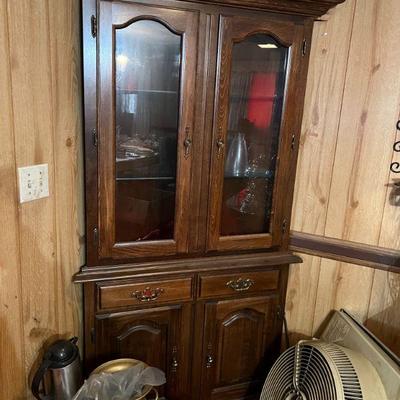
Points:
(122, 385)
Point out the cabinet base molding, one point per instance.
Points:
(192, 265)
(346, 251)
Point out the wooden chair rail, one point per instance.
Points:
(346, 251)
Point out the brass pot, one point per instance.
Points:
(121, 364)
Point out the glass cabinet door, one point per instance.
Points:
(249, 132)
(146, 108)
(147, 86)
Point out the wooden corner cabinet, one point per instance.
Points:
(192, 120)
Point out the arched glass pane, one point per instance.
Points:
(257, 86)
(147, 69)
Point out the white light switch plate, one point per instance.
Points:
(33, 182)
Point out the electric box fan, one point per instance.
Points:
(347, 363)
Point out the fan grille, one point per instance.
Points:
(308, 371)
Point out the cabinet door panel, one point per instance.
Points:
(255, 117)
(240, 346)
(159, 336)
(147, 60)
(241, 340)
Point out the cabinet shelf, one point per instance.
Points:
(146, 178)
(261, 176)
(136, 91)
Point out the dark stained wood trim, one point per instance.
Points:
(310, 8)
(187, 266)
(346, 251)
(89, 53)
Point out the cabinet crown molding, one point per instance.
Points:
(310, 8)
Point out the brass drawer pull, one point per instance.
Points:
(240, 285)
(148, 294)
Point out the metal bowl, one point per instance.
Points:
(119, 365)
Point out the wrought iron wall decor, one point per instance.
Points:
(395, 166)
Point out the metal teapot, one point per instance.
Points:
(60, 371)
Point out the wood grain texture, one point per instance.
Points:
(369, 114)
(118, 294)
(234, 29)
(168, 267)
(179, 21)
(248, 324)
(344, 189)
(38, 79)
(33, 122)
(218, 285)
(12, 360)
(41, 241)
(341, 285)
(68, 159)
(320, 285)
(323, 105)
(383, 315)
(301, 297)
(346, 251)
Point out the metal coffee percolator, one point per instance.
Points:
(60, 372)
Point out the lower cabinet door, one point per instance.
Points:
(158, 336)
(241, 340)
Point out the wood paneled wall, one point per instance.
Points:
(41, 241)
(344, 188)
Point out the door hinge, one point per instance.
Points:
(93, 21)
(93, 336)
(284, 226)
(96, 236)
(293, 142)
(304, 48)
(95, 137)
(280, 313)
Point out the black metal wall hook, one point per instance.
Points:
(395, 167)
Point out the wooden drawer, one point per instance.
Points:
(142, 293)
(236, 283)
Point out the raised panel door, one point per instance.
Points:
(240, 342)
(159, 337)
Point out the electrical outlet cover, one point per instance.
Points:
(33, 182)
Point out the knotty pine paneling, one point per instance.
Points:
(41, 122)
(344, 188)
(370, 110)
(33, 138)
(323, 105)
(12, 360)
(41, 242)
